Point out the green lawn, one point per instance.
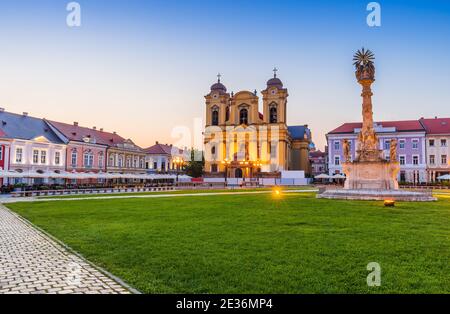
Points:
(256, 243)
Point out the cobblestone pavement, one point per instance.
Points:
(31, 262)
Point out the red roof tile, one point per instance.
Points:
(436, 125)
(77, 133)
(401, 126)
(161, 149)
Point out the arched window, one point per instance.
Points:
(273, 115)
(215, 117)
(243, 116)
(213, 150)
(227, 114)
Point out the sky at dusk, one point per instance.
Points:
(142, 68)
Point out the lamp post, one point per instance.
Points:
(226, 163)
(178, 163)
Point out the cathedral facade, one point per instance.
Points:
(242, 142)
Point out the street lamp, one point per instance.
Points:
(226, 162)
(178, 163)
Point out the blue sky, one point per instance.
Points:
(142, 68)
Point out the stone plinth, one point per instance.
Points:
(376, 175)
(367, 195)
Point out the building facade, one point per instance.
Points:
(437, 147)
(411, 147)
(33, 146)
(163, 158)
(319, 162)
(86, 147)
(124, 156)
(240, 141)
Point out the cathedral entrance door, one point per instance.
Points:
(238, 173)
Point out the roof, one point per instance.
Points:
(317, 153)
(436, 125)
(400, 126)
(78, 133)
(161, 149)
(298, 132)
(17, 126)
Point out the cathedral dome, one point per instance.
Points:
(218, 86)
(275, 81)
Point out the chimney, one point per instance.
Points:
(2, 109)
(114, 132)
(75, 123)
(101, 129)
(94, 128)
(156, 142)
(435, 117)
(25, 114)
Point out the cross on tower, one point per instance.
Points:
(218, 77)
(275, 72)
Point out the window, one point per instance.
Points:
(415, 144)
(431, 143)
(215, 117)
(402, 176)
(444, 159)
(387, 144)
(163, 166)
(227, 113)
(273, 150)
(243, 116)
(432, 159)
(1, 152)
(128, 162)
(100, 161)
(88, 160)
(120, 162)
(402, 160)
(337, 160)
(35, 156)
(155, 165)
(57, 158)
(19, 152)
(415, 160)
(214, 168)
(142, 163)
(443, 142)
(43, 157)
(401, 144)
(111, 160)
(213, 150)
(135, 162)
(74, 158)
(273, 115)
(337, 145)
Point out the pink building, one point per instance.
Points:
(86, 147)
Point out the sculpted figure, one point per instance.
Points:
(346, 147)
(393, 150)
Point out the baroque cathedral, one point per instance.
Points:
(242, 142)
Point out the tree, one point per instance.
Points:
(194, 168)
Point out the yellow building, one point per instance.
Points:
(243, 142)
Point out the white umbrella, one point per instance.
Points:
(338, 176)
(444, 177)
(322, 176)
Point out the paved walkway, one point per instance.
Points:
(31, 262)
(106, 197)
